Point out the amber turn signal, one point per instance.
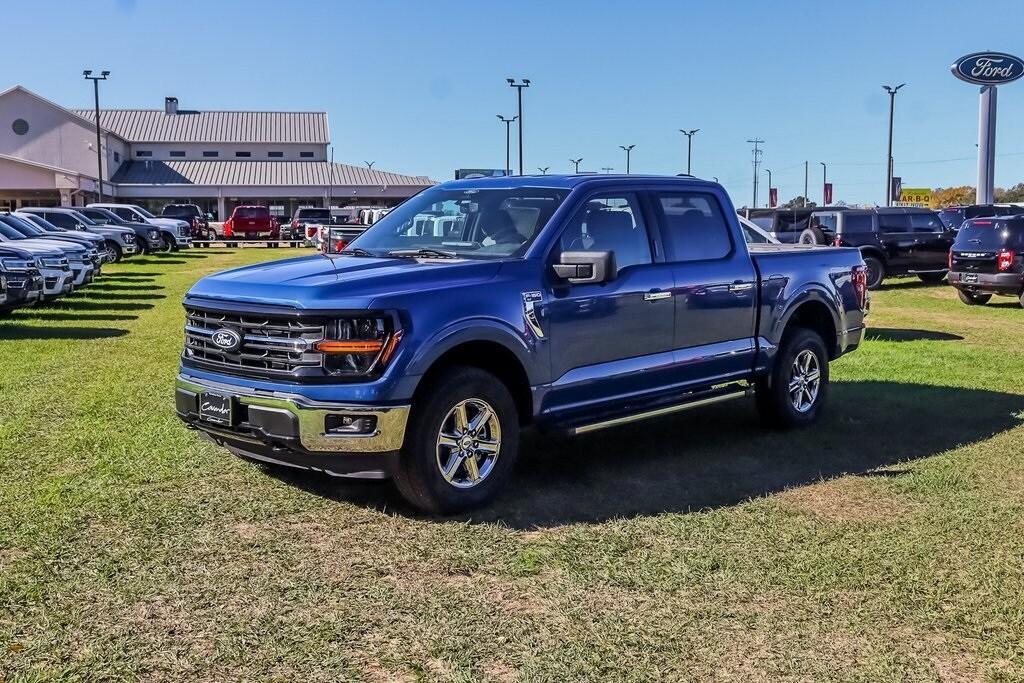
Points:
(369, 346)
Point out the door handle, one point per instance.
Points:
(657, 296)
(740, 287)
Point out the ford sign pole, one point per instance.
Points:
(987, 69)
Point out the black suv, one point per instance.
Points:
(988, 258)
(893, 241)
(954, 216)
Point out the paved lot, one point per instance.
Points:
(887, 544)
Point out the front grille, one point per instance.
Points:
(276, 346)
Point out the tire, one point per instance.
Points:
(876, 272)
(811, 236)
(975, 299)
(166, 244)
(932, 278)
(419, 475)
(802, 351)
(142, 246)
(113, 251)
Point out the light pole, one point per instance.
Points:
(543, 169)
(824, 182)
(888, 166)
(99, 146)
(508, 127)
(525, 83)
(369, 165)
(628, 149)
(576, 163)
(607, 169)
(689, 146)
(769, 202)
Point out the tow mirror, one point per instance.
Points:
(585, 267)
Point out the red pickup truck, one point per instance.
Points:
(251, 222)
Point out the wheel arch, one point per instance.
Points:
(812, 310)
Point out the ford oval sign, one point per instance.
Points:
(226, 339)
(988, 68)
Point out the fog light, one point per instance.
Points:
(350, 425)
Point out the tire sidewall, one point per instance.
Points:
(874, 263)
(800, 340)
(114, 251)
(420, 479)
(975, 299)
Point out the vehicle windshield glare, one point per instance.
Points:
(83, 219)
(469, 223)
(990, 235)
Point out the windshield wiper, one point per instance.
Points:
(426, 251)
(356, 251)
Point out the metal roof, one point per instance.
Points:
(291, 173)
(154, 125)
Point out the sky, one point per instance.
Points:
(416, 86)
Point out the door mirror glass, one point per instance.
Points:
(585, 267)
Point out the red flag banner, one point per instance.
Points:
(828, 193)
(773, 197)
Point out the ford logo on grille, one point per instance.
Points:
(988, 68)
(226, 339)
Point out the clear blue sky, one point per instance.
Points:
(415, 86)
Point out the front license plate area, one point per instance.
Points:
(217, 408)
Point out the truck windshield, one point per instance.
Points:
(145, 213)
(469, 223)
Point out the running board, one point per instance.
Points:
(725, 394)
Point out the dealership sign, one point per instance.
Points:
(988, 68)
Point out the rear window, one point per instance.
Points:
(925, 222)
(952, 218)
(790, 221)
(990, 235)
(314, 214)
(180, 211)
(252, 212)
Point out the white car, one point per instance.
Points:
(755, 235)
(181, 230)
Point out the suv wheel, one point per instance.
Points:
(876, 271)
(793, 393)
(167, 244)
(932, 278)
(113, 252)
(811, 236)
(462, 443)
(975, 299)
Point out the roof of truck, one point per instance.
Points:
(569, 181)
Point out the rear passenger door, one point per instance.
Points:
(715, 289)
(932, 241)
(898, 240)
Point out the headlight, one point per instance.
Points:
(54, 262)
(154, 234)
(128, 237)
(358, 346)
(18, 264)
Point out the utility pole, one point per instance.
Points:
(576, 163)
(757, 162)
(525, 83)
(889, 166)
(508, 153)
(99, 145)
(628, 149)
(689, 146)
(805, 183)
(543, 169)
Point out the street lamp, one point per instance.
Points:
(99, 146)
(888, 165)
(543, 169)
(576, 163)
(369, 165)
(607, 169)
(824, 182)
(689, 146)
(628, 149)
(524, 83)
(769, 172)
(508, 126)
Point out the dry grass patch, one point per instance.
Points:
(848, 499)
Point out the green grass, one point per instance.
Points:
(887, 543)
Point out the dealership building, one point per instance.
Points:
(152, 157)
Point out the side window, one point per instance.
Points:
(61, 220)
(825, 221)
(612, 223)
(694, 227)
(751, 236)
(856, 222)
(925, 222)
(893, 222)
(124, 213)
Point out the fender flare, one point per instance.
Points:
(476, 330)
(874, 251)
(811, 293)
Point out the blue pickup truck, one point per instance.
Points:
(480, 307)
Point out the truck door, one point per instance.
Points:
(715, 288)
(610, 340)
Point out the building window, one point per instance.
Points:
(117, 157)
(175, 153)
(211, 154)
(306, 155)
(143, 153)
(20, 126)
(243, 154)
(275, 155)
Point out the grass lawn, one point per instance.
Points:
(887, 543)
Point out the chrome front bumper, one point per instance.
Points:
(288, 420)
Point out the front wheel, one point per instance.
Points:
(975, 299)
(876, 272)
(932, 278)
(166, 244)
(793, 394)
(462, 443)
(113, 252)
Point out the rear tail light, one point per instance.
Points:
(295, 225)
(310, 233)
(860, 285)
(1004, 259)
(949, 260)
(229, 229)
(837, 242)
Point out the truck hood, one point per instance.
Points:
(172, 223)
(338, 282)
(36, 247)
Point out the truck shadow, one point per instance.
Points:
(895, 334)
(717, 456)
(25, 332)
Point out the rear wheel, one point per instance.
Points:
(811, 236)
(876, 271)
(113, 251)
(975, 299)
(932, 278)
(461, 444)
(793, 394)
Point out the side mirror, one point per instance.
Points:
(586, 267)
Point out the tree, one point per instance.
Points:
(952, 196)
(798, 202)
(1013, 194)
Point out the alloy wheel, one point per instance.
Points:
(804, 381)
(468, 443)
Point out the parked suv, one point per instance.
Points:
(306, 224)
(988, 258)
(954, 216)
(251, 222)
(118, 242)
(477, 307)
(194, 216)
(177, 234)
(893, 241)
(22, 284)
(148, 237)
